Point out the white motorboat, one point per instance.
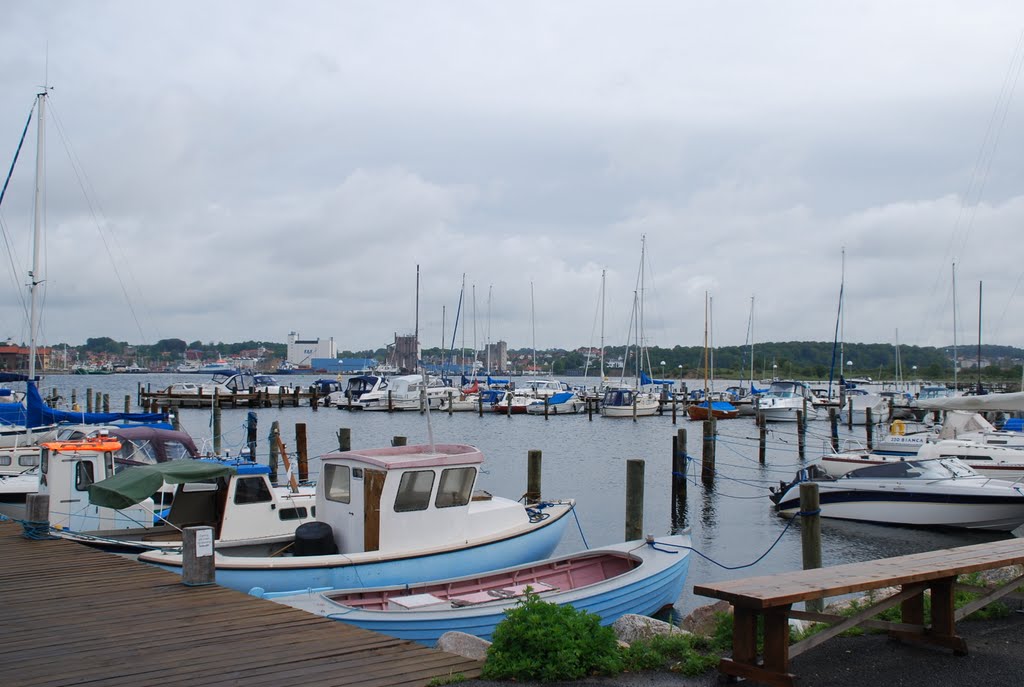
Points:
(406, 392)
(1001, 462)
(394, 515)
(939, 492)
(784, 399)
(355, 389)
(858, 402)
(562, 403)
(228, 383)
(628, 403)
(540, 388)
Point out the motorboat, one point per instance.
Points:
(562, 403)
(639, 577)
(394, 515)
(859, 402)
(355, 389)
(624, 402)
(229, 383)
(540, 388)
(508, 402)
(937, 492)
(706, 410)
(1002, 462)
(220, 366)
(906, 437)
(784, 399)
(406, 392)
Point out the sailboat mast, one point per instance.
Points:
(416, 332)
(35, 277)
(533, 329)
(706, 399)
(956, 360)
(487, 339)
(602, 324)
(750, 332)
(979, 338)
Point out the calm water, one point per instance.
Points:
(732, 522)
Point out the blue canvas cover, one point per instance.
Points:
(38, 414)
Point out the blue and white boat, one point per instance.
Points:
(562, 403)
(640, 577)
(394, 515)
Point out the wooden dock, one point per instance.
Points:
(75, 615)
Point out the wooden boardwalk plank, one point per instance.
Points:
(74, 615)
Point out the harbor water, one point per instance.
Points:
(732, 521)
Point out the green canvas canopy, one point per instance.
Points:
(137, 484)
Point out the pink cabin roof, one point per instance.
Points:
(419, 456)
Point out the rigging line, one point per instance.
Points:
(86, 187)
(3, 226)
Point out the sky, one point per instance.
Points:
(232, 171)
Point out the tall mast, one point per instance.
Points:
(533, 328)
(488, 337)
(35, 277)
(475, 349)
(602, 325)
(979, 338)
(956, 361)
(706, 399)
(416, 333)
(750, 331)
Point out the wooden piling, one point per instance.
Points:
(216, 422)
(678, 468)
(707, 467)
(849, 413)
(810, 534)
(275, 439)
(314, 397)
(345, 439)
(37, 510)
(251, 423)
(533, 472)
(300, 449)
(547, 403)
(801, 433)
(833, 421)
(451, 402)
(74, 398)
(762, 442)
(869, 428)
(590, 409)
(88, 400)
(634, 499)
(197, 567)
(106, 403)
(127, 403)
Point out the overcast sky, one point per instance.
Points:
(246, 169)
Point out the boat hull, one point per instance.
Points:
(371, 569)
(657, 582)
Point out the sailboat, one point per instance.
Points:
(624, 400)
(707, 408)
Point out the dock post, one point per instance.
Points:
(451, 402)
(216, 422)
(590, 409)
(801, 432)
(197, 567)
(345, 439)
(833, 422)
(295, 396)
(391, 402)
(547, 402)
(849, 413)
(869, 428)
(106, 403)
(634, 499)
(274, 438)
(762, 442)
(37, 514)
(300, 449)
(398, 441)
(674, 405)
(138, 394)
(810, 534)
(251, 422)
(74, 398)
(634, 407)
(707, 467)
(314, 397)
(127, 403)
(679, 479)
(533, 465)
(88, 400)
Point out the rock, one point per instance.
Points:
(702, 620)
(465, 645)
(629, 628)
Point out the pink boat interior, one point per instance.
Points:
(561, 575)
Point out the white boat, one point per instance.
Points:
(640, 577)
(540, 388)
(1001, 462)
(394, 515)
(941, 492)
(784, 399)
(562, 403)
(624, 402)
(908, 437)
(228, 383)
(355, 389)
(406, 392)
(859, 401)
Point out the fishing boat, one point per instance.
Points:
(784, 399)
(943, 492)
(394, 515)
(640, 577)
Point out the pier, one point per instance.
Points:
(75, 615)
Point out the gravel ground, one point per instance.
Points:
(995, 658)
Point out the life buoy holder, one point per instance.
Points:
(897, 427)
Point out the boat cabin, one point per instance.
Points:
(789, 390)
(395, 498)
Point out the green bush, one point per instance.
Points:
(546, 642)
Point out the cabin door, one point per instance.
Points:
(373, 485)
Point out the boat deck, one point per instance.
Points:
(75, 615)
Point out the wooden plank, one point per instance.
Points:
(79, 615)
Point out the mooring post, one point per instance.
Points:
(849, 413)
(634, 407)
(300, 449)
(251, 422)
(391, 402)
(345, 439)
(451, 402)
(74, 398)
(274, 438)
(547, 403)
(88, 400)
(398, 441)
(634, 499)
(707, 467)
(678, 468)
(37, 511)
(810, 534)
(762, 442)
(590, 409)
(314, 397)
(106, 403)
(197, 567)
(138, 394)
(833, 421)
(801, 434)
(533, 465)
(869, 428)
(127, 403)
(480, 404)
(216, 422)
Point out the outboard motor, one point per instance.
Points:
(314, 539)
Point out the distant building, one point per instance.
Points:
(301, 352)
(15, 358)
(497, 355)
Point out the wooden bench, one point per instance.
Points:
(771, 597)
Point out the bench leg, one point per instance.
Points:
(743, 663)
(943, 626)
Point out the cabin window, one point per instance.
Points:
(455, 487)
(252, 490)
(108, 462)
(5, 460)
(337, 483)
(176, 450)
(414, 491)
(83, 475)
(44, 458)
(292, 513)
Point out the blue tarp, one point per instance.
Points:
(645, 379)
(38, 414)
